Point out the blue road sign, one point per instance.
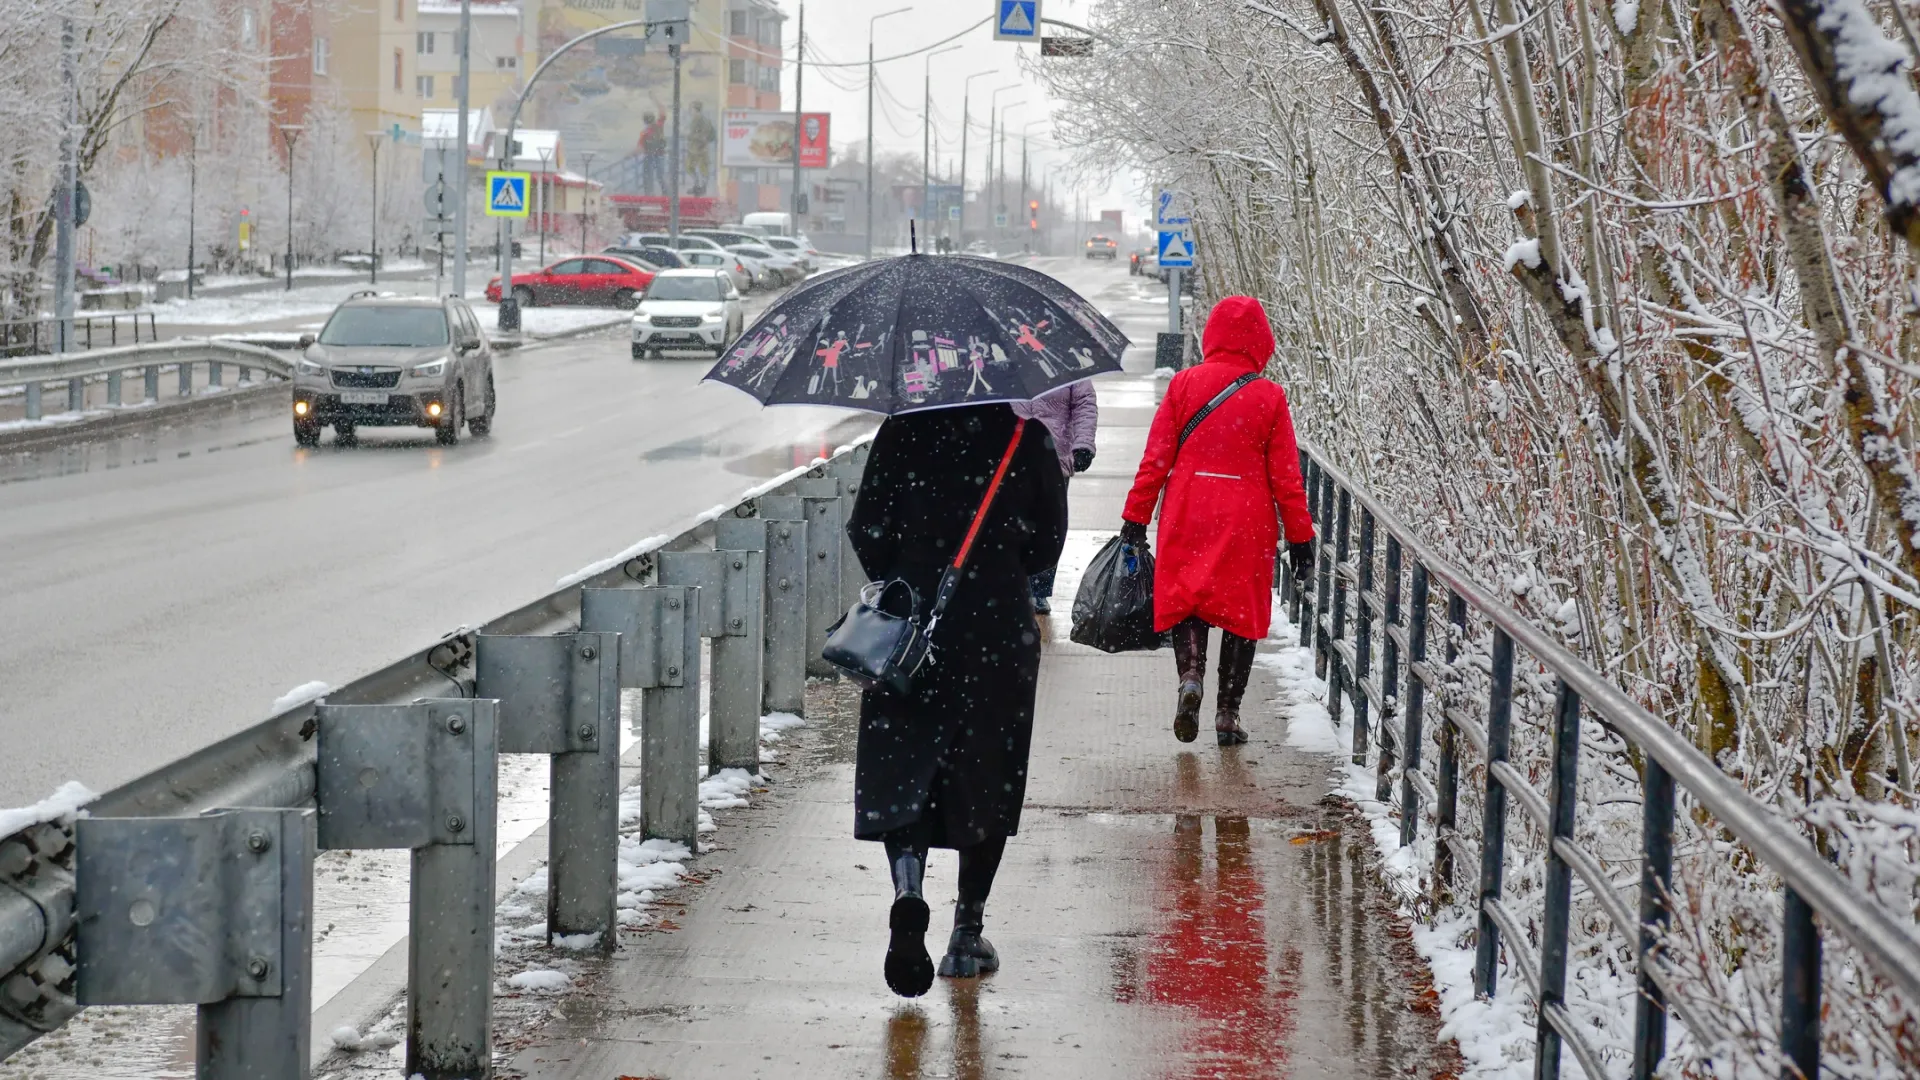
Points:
(506, 194)
(1176, 249)
(1017, 20)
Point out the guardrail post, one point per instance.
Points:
(1493, 818)
(1445, 821)
(783, 603)
(1799, 987)
(1410, 739)
(423, 776)
(33, 401)
(849, 470)
(560, 696)
(214, 911)
(659, 628)
(1323, 593)
(826, 536)
(1340, 680)
(1363, 641)
(213, 373)
(76, 395)
(1559, 884)
(113, 388)
(1656, 878)
(1390, 753)
(185, 368)
(246, 374)
(152, 381)
(731, 585)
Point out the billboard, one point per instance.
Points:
(765, 140)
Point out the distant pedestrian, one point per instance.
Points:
(947, 765)
(1071, 415)
(1217, 526)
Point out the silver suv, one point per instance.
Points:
(394, 361)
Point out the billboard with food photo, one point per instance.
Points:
(765, 140)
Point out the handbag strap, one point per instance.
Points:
(951, 576)
(1206, 410)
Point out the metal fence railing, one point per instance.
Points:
(32, 337)
(1367, 614)
(149, 360)
(194, 884)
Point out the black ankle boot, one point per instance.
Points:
(1190, 656)
(968, 954)
(909, 969)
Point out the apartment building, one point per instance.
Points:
(497, 63)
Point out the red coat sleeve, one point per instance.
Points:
(1156, 464)
(1283, 473)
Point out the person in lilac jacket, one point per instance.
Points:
(1070, 415)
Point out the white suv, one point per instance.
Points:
(693, 308)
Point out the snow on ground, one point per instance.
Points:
(66, 801)
(548, 321)
(541, 981)
(299, 695)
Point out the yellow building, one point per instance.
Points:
(367, 49)
(497, 64)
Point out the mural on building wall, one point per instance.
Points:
(613, 96)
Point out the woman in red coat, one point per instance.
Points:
(1218, 530)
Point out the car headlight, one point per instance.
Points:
(713, 316)
(308, 367)
(430, 370)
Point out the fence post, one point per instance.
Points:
(424, 776)
(152, 383)
(849, 469)
(826, 532)
(1799, 987)
(1411, 735)
(659, 628)
(185, 368)
(113, 388)
(214, 911)
(1363, 643)
(731, 585)
(33, 401)
(76, 395)
(1559, 884)
(213, 373)
(783, 604)
(1656, 877)
(1390, 754)
(1339, 679)
(560, 696)
(1493, 818)
(1447, 789)
(1323, 593)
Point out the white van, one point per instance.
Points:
(774, 222)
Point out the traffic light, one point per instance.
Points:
(1033, 214)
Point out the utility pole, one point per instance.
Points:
(673, 143)
(586, 193)
(193, 186)
(926, 140)
(1033, 219)
(291, 134)
(966, 136)
(63, 200)
(373, 249)
(460, 171)
(870, 25)
(799, 69)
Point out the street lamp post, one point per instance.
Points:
(545, 190)
(986, 176)
(193, 185)
(586, 190)
(966, 136)
(291, 134)
(1033, 220)
(870, 24)
(373, 254)
(926, 139)
(1000, 163)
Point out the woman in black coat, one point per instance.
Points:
(947, 766)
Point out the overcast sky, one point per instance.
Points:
(837, 32)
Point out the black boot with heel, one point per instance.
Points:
(1190, 656)
(909, 969)
(1236, 666)
(969, 955)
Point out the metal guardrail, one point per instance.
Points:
(75, 368)
(1352, 594)
(27, 337)
(194, 883)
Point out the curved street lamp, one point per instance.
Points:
(870, 25)
(926, 137)
(966, 136)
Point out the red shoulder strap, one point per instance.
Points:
(980, 515)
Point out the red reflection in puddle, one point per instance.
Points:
(1211, 958)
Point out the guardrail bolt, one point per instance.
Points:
(673, 603)
(785, 584)
(15, 859)
(786, 534)
(586, 732)
(258, 841)
(257, 968)
(738, 565)
(737, 623)
(587, 653)
(457, 724)
(673, 673)
(455, 823)
(819, 554)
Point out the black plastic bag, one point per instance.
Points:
(1113, 611)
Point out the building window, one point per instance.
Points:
(423, 84)
(737, 72)
(506, 63)
(770, 78)
(737, 23)
(320, 52)
(423, 43)
(398, 69)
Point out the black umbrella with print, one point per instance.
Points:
(921, 332)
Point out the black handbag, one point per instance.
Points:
(879, 643)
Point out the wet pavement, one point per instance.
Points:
(1182, 912)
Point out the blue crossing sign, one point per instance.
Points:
(1016, 20)
(1176, 249)
(506, 194)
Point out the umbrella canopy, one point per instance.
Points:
(921, 332)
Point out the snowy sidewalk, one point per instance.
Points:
(1167, 909)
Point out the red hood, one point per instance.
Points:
(1237, 333)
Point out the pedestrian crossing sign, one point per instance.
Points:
(1176, 249)
(506, 194)
(1017, 20)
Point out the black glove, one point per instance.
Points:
(1300, 557)
(1082, 459)
(1133, 533)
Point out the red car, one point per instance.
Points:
(589, 279)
